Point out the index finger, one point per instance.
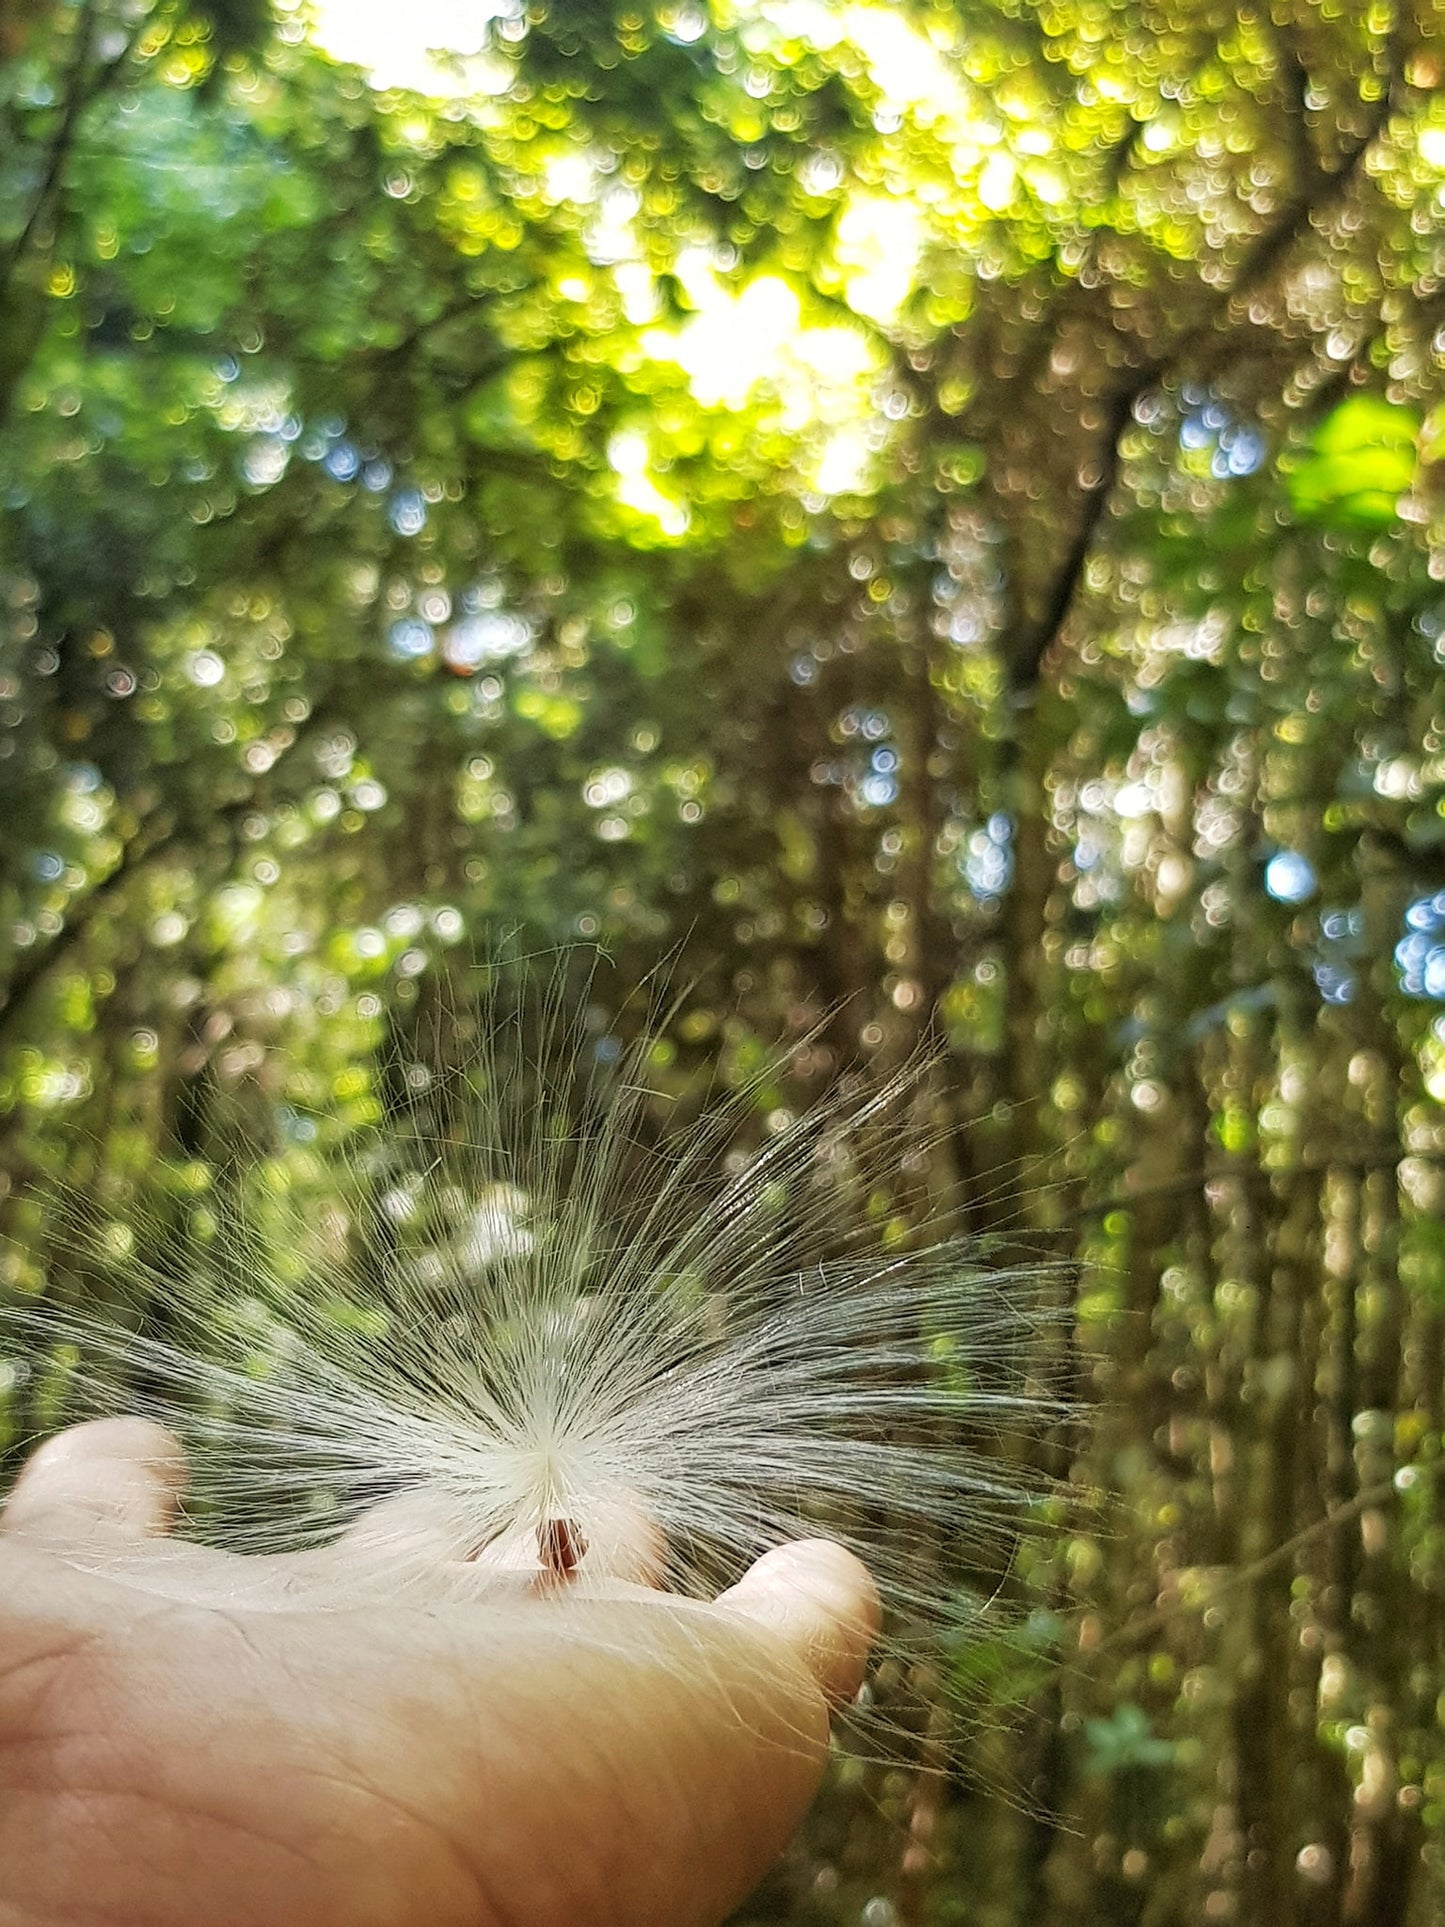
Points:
(111, 1480)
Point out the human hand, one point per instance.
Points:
(624, 1759)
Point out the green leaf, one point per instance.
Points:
(1360, 462)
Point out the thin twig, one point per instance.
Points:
(1191, 1181)
(1340, 1515)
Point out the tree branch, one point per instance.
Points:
(1026, 658)
(139, 851)
(1320, 190)
(41, 959)
(79, 95)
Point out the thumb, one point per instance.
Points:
(821, 1603)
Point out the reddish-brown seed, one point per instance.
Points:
(561, 1547)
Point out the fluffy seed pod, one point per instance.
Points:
(539, 1337)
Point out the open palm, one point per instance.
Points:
(628, 1760)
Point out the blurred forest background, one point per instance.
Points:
(929, 515)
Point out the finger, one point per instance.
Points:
(425, 1537)
(623, 1544)
(415, 1528)
(113, 1480)
(403, 1547)
(821, 1602)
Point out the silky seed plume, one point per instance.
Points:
(537, 1333)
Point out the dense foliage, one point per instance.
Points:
(928, 517)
